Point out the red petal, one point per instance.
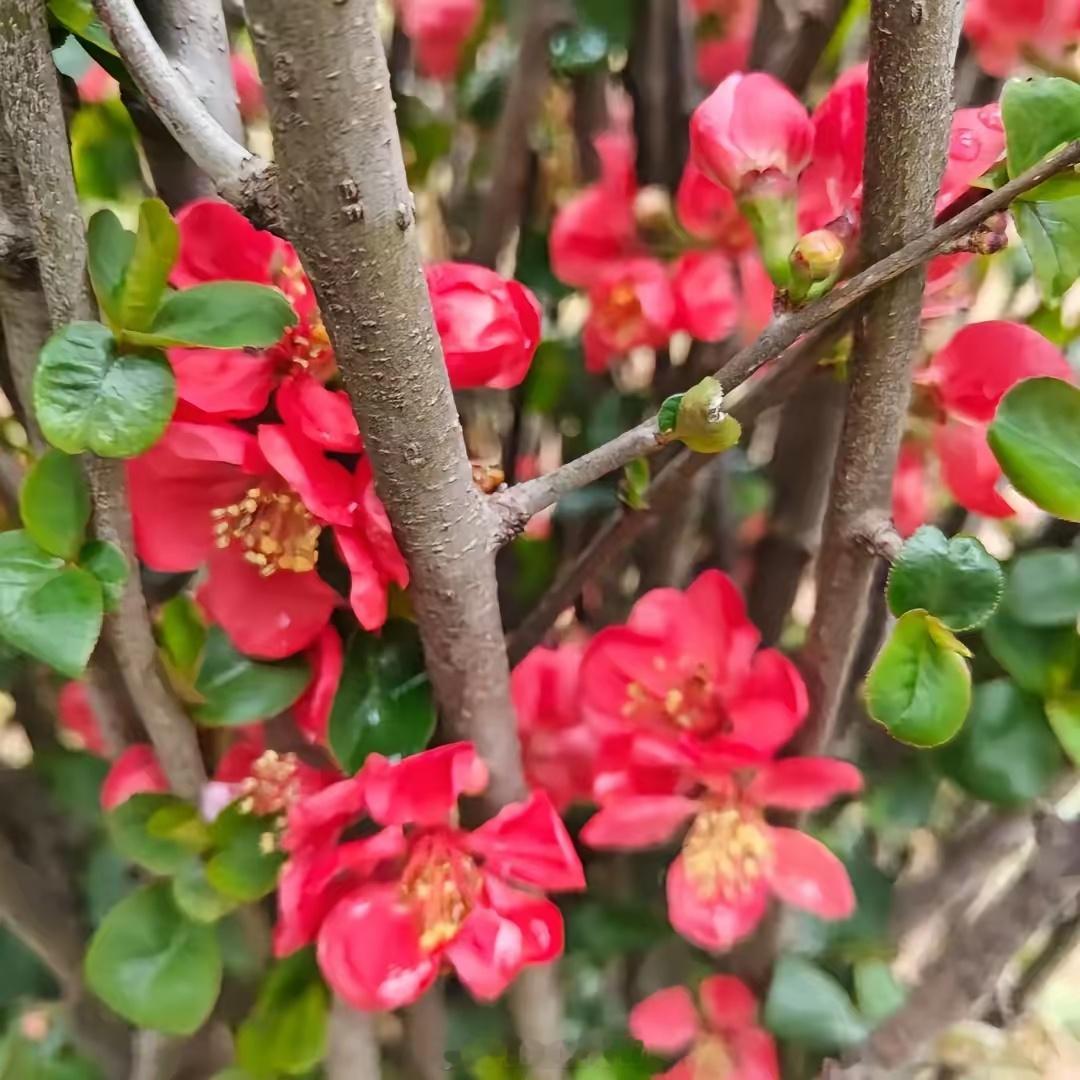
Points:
(312, 710)
(770, 705)
(423, 789)
(807, 875)
(545, 688)
(324, 416)
(369, 594)
(727, 1003)
(528, 843)
(306, 892)
(268, 617)
(754, 1051)
(976, 141)
(666, 1022)
(324, 486)
(538, 919)
(487, 954)
(77, 718)
(805, 783)
(370, 954)
(319, 819)
(135, 772)
(223, 382)
(970, 470)
(712, 923)
(219, 243)
(638, 821)
(706, 298)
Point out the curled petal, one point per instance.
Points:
(638, 821)
(538, 919)
(970, 470)
(224, 382)
(754, 1049)
(312, 710)
(665, 1022)
(805, 783)
(306, 892)
(324, 416)
(488, 953)
(325, 486)
(770, 705)
(320, 819)
(423, 789)
(219, 243)
(807, 875)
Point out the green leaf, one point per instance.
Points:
(239, 690)
(104, 152)
(54, 504)
(635, 485)
(286, 1030)
(87, 396)
(1035, 437)
(1006, 753)
(1044, 588)
(808, 1006)
(241, 866)
(919, 688)
(1041, 661)
(157, 244)
(129, 830)
(876, 990)
(1040, 115)
(383, 702)
(180, 822)
(107, 563)
(182, 632)
(668, 414)
(196, 897)
(109, 250)
(1063, 712)
(219, 315)
(49, 610)
(701, 424)
(956, 580)
(153, 966)
(1051, 235)
(79, 17)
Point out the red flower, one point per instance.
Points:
(1001, 30)
(722, 36)
(910, 495)
(632, 305)
(706, 299)
(750, 127)
(252, 507)
(685, 672)
(708, 211)
(724, 1040)
(489, 326)
(559, 748)
(218, 243)
(391, 910)
(135, 772)
(96, 85)
(969, 469)
(976, 142)
(312, 710)
(439, 30)
(77, 718)
(732, 859)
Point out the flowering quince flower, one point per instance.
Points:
(78, 719)
(559, 748)
(732, 859)
(439, 30)
(708, 211)
(724, 1039)
(219, 243)
(632, 304)
(910, 496)
(969, 469)
(1002, 30)
(490, 327)
(135, 772)
(252, 507)
(311, 711)
(706, 298)
(249, 90)
(597, 226)
(391, 910)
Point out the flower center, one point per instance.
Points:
(442, 884)
(273, 785)
(690, 705)
(725, 852)
(620, 314)
(274, 529)
(710, 1059)
(307, 345)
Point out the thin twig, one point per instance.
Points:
(352, 1051)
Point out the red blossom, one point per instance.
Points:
(969, 469)
(77, 718)
(439, 30)
(722, 37)
(910, 491)
(708, 211)
(706, 298)
(723, 1039)
(1002, 30)
(312, 710)
(135, 772)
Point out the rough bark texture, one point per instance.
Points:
(912, 47)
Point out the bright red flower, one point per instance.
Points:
(632, 305)
(219, 243)
(724, 1039)
(706, 298)
(751, 127)
(439, 30)
(732, 859)
(709, 212)
(559, 748)
(135, 772)
(77, 717)
(249, 90)
(390, 911)
(489, 326)
(969, 469)
(1001, 30)
(910, 490)
(597, 226)
(758, 295)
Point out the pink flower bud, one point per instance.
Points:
(751, 127)
(817, 256)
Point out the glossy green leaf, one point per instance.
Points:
(239, 690)
(196, 897)
(1035, 437)
(153, 966)
(244, 865)
(157, 243)
(182, 633)
(286, 1031)
(54, 504)
(1040, 115)
(106, 562)
(919, 688)
(383, 703)
(104, 153)
(79, 17)
(87, 396)
(808, 1006)
(1051, 235)
(1006, 753)
(129, 829)
(109, 250)
(47, 609)
(1044, 588)
(1041, 661)
(876, 989)
(181, 822)
(219, 315)
(1063, 712)
(956, 580)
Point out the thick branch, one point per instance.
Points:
(910, 108)
(790, 38)
(352, 1051)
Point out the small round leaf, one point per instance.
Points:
(55, 504)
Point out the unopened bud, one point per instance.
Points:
(817, 257)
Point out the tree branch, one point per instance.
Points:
(788, 43)
(910, 109)
(352, 1050)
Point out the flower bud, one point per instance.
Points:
(698, 420)
(815, 261)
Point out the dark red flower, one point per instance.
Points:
(724, 1039)
(135, 772)
(439, 30)
(489, 326)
